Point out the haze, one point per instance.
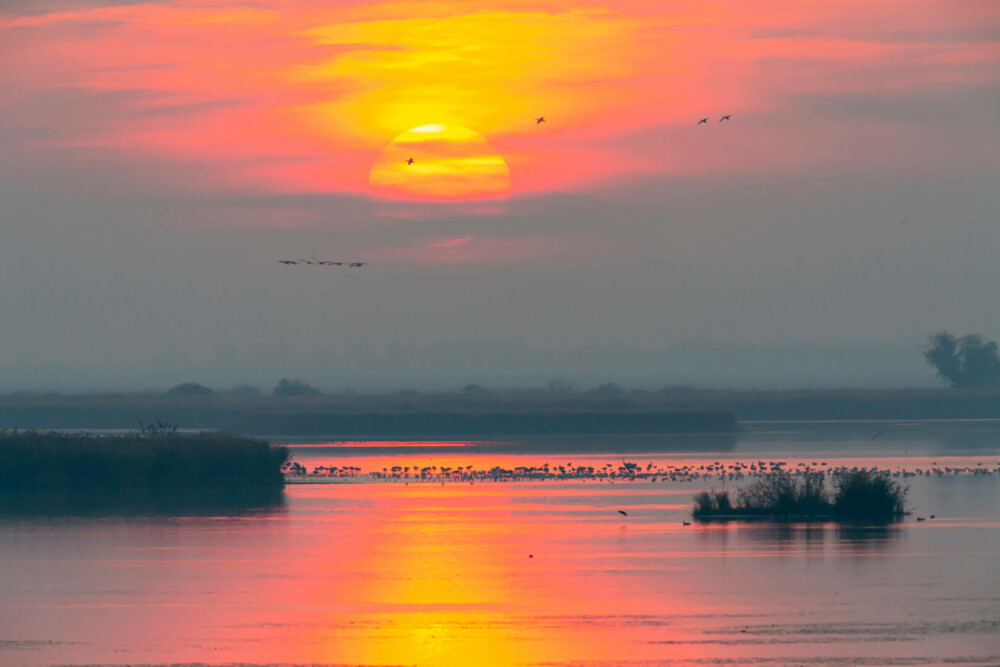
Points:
(157, 160)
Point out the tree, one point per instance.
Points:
(968, 362)
(189, 389)
(286, 387)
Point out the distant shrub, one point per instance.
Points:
(866, 495)
(286, 387)
(712, 503)
(189, 389)
(775, 494)
(157, 429)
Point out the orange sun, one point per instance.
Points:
(439, 170)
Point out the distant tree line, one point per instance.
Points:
(969, 362)
(285, 387)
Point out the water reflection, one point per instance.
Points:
(503, 574)
(204, 501)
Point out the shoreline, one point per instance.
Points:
(494, 415)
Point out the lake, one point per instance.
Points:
(529, 573)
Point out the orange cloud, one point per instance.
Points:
(303, 97)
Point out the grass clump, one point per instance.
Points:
(865, 495)
(859, 495)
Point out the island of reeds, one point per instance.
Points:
(153, 469)
(857, 496)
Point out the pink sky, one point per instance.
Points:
(157, 160)
(301, 97)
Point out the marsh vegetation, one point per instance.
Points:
(857, 495)
(157, 457)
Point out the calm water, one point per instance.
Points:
(526, 573)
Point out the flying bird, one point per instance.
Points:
(410, 161)
(539, 120)
(726, 117)
(875, 437)
(703, 121)
(623, 512)
(355, 265)
(287, 261)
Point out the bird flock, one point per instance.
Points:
(410, 162)
(320, 262)
(704, 121)
(626, 472)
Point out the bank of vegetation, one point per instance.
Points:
(416, 414)
(857, 496)
(155, 466)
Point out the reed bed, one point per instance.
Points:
(149, 459)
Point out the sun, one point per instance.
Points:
(439, 170)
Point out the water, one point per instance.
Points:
(526, 573)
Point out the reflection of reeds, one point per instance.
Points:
(38, 460)
(859, 495)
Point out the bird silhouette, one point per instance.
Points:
(686, 523)
(539, 120)
(287, 261)
(875, 437)
(726, 117)
(703, 121)
(623, 512)
(355, 265)
(410, 161)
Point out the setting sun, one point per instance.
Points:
(447, 165)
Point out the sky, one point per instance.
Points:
(158, 159)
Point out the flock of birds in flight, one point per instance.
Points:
(409, 162)
(320, 262)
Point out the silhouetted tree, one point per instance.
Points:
(967, 362)
(189, 389)
(286, 387)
